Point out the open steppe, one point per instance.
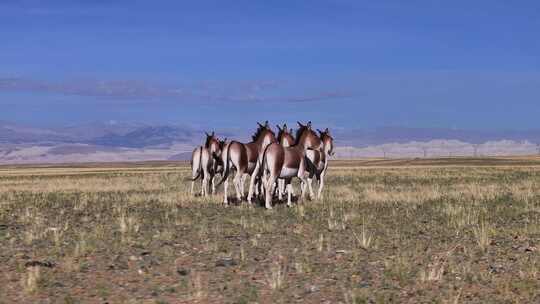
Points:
(452, 230)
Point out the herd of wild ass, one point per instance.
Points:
(270, 162)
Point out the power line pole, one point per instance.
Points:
(425, 149)
(475, 147)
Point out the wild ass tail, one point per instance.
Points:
(263, 161)
(226, 157)
(199, 169)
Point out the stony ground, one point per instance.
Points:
(396, 231)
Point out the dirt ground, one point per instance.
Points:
(455, 230)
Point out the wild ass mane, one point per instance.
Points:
(259, 132)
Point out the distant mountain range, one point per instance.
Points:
(117, 141)
(111, 134)
(378, 136)
(147, 136)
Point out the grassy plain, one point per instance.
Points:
(387, 231)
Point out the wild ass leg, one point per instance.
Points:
(291, 188)
(225, 188)
(192, 187)
(212, 181)
(302, 176)
(321, 181)
(276, 186)
(252, 182)
(262, 184)
(270, 191)
(257, 190)
(237, 187)
(289, 193)
(207, 182)
(281, 188)
(321, 185)
(304, 181)
(309, 184)
(203, 185)
(261, 187)
(243, 183)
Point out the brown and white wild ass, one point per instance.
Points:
(318, 160)
(204, 165)
(233, 157)
(196, 168)
(285, 139)
(288, 162)
(244, 159)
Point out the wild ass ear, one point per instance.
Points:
(259, 124)
(213, 133)
(266, 123)
(320, 132)
(300, 124)
(279, 128)
(291, 130)
(309, 124)
(327, 131)
(208, 135)
(285, 126)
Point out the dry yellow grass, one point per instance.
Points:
(398, 230)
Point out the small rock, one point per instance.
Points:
(364, 284)
(226, 262)
(524, 248)
(47, 264)
(133, 258)
(527, 248)
(496, 268)
(119, 263)
(23, 256)
(182, 271)
(312, 288)
(58, 284)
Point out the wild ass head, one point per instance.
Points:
(306, 137)
(285, 137)
(327, 141)
(264, 135)
(212, 142)
(217, 155)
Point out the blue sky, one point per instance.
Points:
(455, 64)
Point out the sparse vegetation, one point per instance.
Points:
(387, 231)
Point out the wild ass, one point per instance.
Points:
(288, 162)
(285, 139)
(196, 168)
(204, 165)
(233, 157)
(244, 158)
(318, 160)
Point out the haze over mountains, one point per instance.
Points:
(121, 141)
